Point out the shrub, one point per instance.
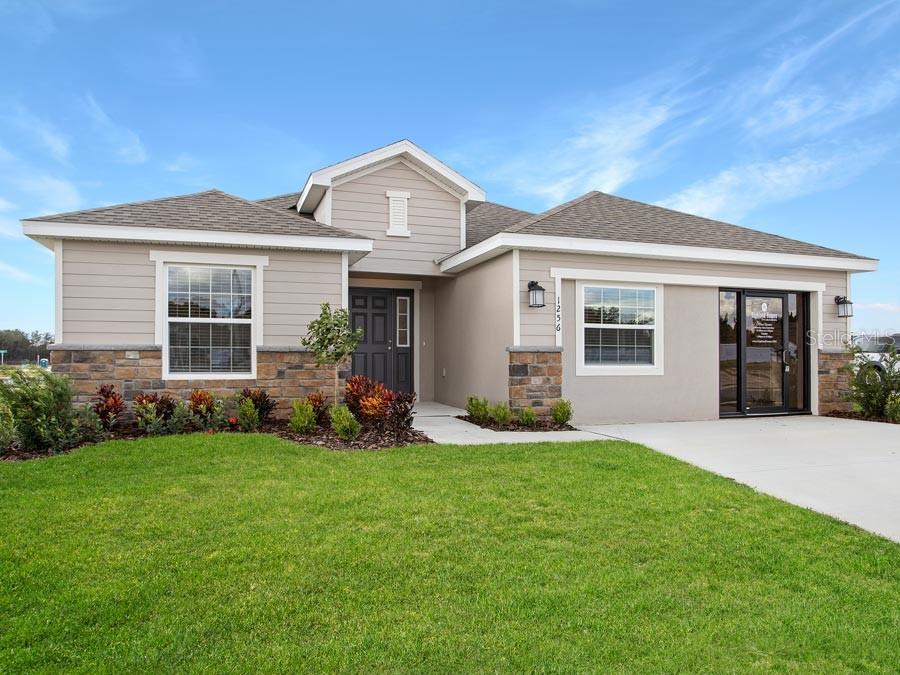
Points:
(527, 417)
(209, 412)
(303, 417)
(248, 416)
(561, 412)
(108, 404)
(160, 414)
(478, 409)
(319, 403)
(375, 408)
(892, 409)
(343, 423)
(180, 418)
(401, 414)
(501, 414)
(7, 428)
(357, 388)
(89, 425)
(872, 387)
(264, 403)
(201, 402)
(41, 407)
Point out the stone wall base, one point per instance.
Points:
(834, 382)
(286, 376)
(535, 379)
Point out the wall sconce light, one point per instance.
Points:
(535, 294)
(844, 306)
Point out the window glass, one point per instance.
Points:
(619, 326)
(403, 322)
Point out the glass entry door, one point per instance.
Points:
(765, 353)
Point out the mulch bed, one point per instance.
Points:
(851, 415)
(541, 425)
(324, 437)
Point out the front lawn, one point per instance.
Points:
(246, 552)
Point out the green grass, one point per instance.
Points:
(246, 553)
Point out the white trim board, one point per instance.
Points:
(210, 237)
(685, 279)
(504, 241)
(517, 326)
(58, 300)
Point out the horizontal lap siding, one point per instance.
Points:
(109, 291)
(537, 323)
(361, 206)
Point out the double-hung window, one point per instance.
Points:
(620, 330)
(209, 324)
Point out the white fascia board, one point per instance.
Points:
(685, 279)
(211, 237)
(504, 241)
(319, 181)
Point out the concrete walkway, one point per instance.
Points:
(440, 423)
(844, 468)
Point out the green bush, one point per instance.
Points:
(343, 423)
(501, 414)
(892, 409)
(180, 419)
(264, 403)
(478, 409)
(41, 407)
(561, 411)
(527, 417)
(872, 386)
(303, 417)
(89, 425)
(7, 428)
(248, 416)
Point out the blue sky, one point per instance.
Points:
(780, 116)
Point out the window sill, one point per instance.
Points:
(618, 371)
(183, 377)
(398, 233)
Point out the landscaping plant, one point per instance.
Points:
(478, 409)
(873, 386)
(108, 404)
(343, 423)
(331, 339)
(41, 407)
(527, 417)
(400, 417)
(264, 403)
(7, 428)
(303, 417)
(89, 425)
(501, 414)
(561, 412)
(319, 403)
(248, 416)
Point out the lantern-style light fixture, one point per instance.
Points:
(844, 306)
(535, 294)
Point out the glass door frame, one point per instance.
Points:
(741, 295)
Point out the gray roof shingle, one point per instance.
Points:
(485, 219)
(597, 215)
(211, 210)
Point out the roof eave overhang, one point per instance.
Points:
(505, 241)
(45, 232)
(320, 181)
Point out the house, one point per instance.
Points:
(633, 312)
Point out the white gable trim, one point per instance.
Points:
(320, 181)
(505, 241)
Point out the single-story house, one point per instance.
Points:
(633, 312)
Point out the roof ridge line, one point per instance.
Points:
(137, 203)
(536, 218)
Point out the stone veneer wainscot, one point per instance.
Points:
(535, 378)
(834, 382)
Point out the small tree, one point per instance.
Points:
(331, 339)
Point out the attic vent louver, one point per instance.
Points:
(398, 224)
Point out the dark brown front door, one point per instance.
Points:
(385, 352)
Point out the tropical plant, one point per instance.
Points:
(248, 416)
(561, 412)
(478, 409)
(7, 428)
(108, 404)
(89, 425)
(331, 339)
(264, 403)
(527, 417)
(343, 423)
(873, 385)
(180, 419)
(319, 403)
(401, 414)
(356, 389)
(201, 402)
(501, 414)
(303, 417)
(41, 407)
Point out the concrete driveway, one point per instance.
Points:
(844, 468)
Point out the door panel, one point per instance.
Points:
(764, 353)
(385, 352)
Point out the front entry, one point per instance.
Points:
(385, 352)
(763, 352)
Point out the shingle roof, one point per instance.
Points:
(485, 219)
(597, 215)
(211, 210)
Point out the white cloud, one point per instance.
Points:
(42, 131)
(739, 189)
(125, 143)
(17, 274)
(181, 164)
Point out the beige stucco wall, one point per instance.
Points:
(361, 206)
(473, 328)
(108, 291)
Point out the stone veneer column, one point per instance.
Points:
(535, 378)
(834, 382)
(286, 373)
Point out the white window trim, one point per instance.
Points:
(398, 230)
(584, 370)
(255, 263)
(408, 301)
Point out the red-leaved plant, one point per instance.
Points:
(201, 402)
(319, 403)
(378, 407)
(108, 404)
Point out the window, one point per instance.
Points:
(402, 322)
(209, 319)
(398, 225)
(619, 332)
